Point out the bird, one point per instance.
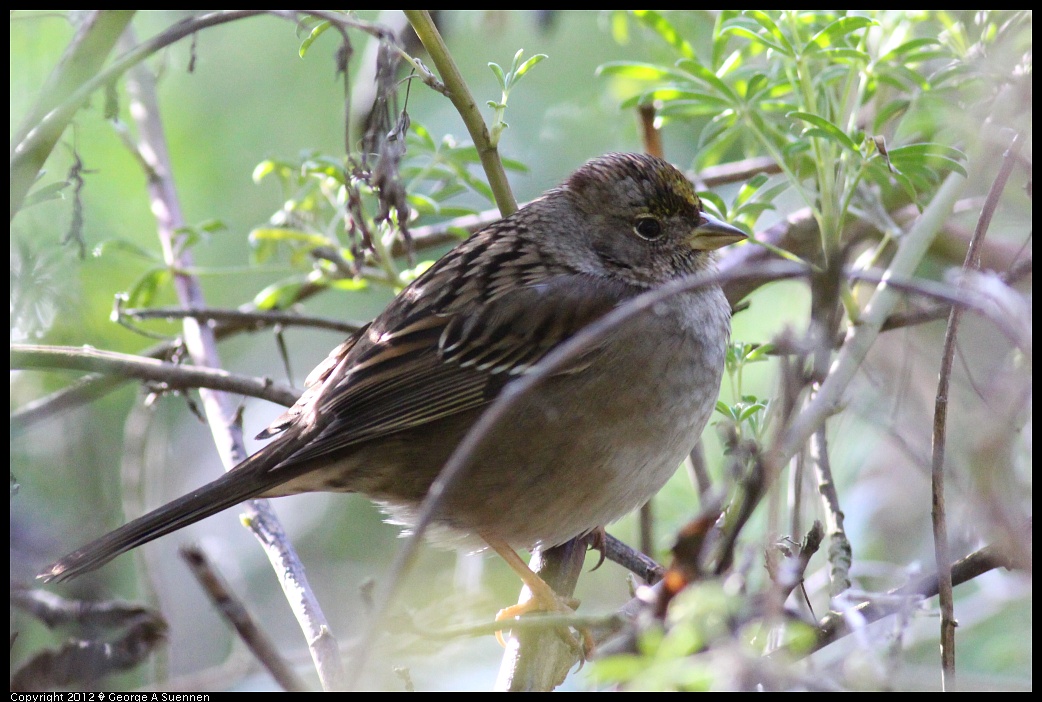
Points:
(385, 410)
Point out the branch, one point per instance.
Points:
(836, 625)
(244, 319)
(29, 153)
(461, 98)
(912, 247)
(220, 411)
(234, 612)
(128, 366)
(942, 554)
(85, 55)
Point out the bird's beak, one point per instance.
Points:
(712, 234)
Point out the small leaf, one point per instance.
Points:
(319, 29)
(826, 129)
(781, 42)
(717, 203)
(287, 235)
(123, 246)
(349, 284)
(635, 70)
(909, 47)
(891, 110)
(280, 295)
(497, 70)
(755, 38)
(836, 31)
(757, 83)
(45, 194)
(144, 291)
(527, 66)
(263, 169)
(661, 26)
(844, 55)
(749, 188)
(702, 74)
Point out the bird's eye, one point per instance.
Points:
(648, 228)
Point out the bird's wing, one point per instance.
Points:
(443, 348)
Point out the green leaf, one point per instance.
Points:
(835, 32)
(636, 70)
(756, 38)
(497, 70)
(756, 84)
(280, 295)
(661, 26)
(527, 66)
(926, 156)
(900, 53)
(263, 169)
(725, 409)
(144, 291)
(750, 212)
(45, 194)
(749, 188)
(423, 204)
(700, 73)
(892, 110)
(123, 246)
(844, 55)
(286, 235)
(825, 129)
(780, 40)
(349, 284)
(704, 105)
(319, 29)
(716, 202)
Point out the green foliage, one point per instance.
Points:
(797, 86)
(748, 414)
(328, 219)
(507, 81)
(703, 617)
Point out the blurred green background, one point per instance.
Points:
(251, 97)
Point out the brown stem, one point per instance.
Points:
(942, 552)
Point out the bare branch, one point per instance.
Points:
(239, 618)
(942, 552)
(172, 375)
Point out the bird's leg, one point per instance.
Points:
(543, 599)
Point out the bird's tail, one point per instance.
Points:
(249, 479)
(227, 491)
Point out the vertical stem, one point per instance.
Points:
(942, 552)
(460, 95)
(202, 346)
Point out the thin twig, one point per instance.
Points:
(234, 612)
(840, 553)
(125, 366)
(202, 347)
(942, 552)
(636, 562)
(835, 625)
(244, 318)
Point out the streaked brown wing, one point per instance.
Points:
(430, 364)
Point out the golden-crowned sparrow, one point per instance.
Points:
(386, 409)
